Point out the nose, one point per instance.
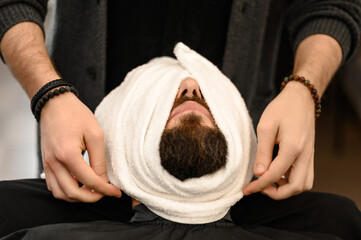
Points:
(190, 88)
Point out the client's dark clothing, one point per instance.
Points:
(162, 229)
(306, 216)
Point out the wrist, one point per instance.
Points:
(292, 81)
(318, 81)
(49, 91)
(59, 103)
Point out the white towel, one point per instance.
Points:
(133, 117)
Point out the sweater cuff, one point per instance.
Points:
(329, 26)
(13, 14)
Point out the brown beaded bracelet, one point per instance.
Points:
(49, 95)
(311, 87)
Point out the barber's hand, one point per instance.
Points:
(67, 128)
(289, 121)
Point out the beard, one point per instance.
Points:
(192, 150)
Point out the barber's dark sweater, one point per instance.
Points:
(255, 53)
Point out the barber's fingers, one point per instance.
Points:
(52, 184)
(292, 187)
(75, 163)
(297, 178)
(267, 134)
(310, 177)
(64, 186)
(94, 141)
(58, 191)
(276, 170)
(307, 162)
(70, 186)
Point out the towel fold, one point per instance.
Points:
(133, 117)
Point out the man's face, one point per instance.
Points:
(191, 145)
(189, 101)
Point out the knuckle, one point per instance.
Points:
(298, 189)
(46, 164)
(295, 147)
(97, 134)
(262, 154)
(71, 194)
(57, 195)
(308, 186)
(263, 128)
(59, 153)
(45, 157)
(64, 154)
(49, 165)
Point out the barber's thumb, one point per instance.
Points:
(259, 169)
(261, 164)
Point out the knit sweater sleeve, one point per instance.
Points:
(340, 19)
(16, 11)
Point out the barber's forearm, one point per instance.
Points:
(25, 53)
(317, 59)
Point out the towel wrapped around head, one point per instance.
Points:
(133, 117)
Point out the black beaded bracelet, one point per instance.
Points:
(311, 87)
(46, 88)
(41, 103)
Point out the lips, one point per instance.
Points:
(190, 106)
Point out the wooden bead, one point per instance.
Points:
(310, 86)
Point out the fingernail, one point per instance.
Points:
(260, 168)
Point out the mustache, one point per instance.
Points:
(183, 99)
